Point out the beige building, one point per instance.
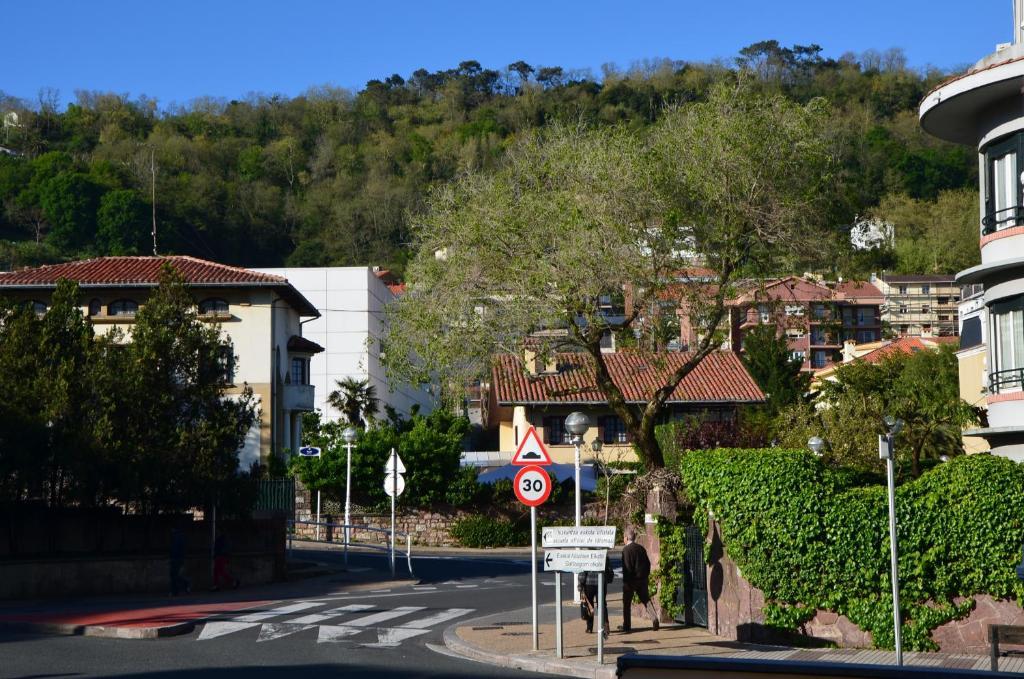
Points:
(528, 393)
(920, 306)
(260, 313)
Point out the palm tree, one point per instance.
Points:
(355, 399)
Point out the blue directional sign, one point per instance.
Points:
(309, 451)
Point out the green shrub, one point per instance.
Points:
(467, 491)
(484, 531)
(808, 542)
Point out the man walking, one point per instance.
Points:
(636, 569)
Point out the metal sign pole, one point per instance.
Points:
(600, 617)
(533, 574)
(558, 615)
(891, 478)
(394, 493)
(348, 497)
(318, 515)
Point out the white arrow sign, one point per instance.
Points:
(391, 484)
(575, 560)
(578, 536)
(394, 460)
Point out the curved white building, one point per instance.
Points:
(985, 107)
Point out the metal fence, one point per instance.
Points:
(346, 531)
(276, 495)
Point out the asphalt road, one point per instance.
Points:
(316, 631)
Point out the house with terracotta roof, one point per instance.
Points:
(529, 393)
(262, 315)
(875, 352)
(816, 317)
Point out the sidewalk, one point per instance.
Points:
(149, 616)
(505, 639)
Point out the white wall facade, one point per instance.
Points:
(351, 302)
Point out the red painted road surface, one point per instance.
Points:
(157, 616)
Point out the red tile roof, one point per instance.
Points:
(141, 271)
(720, 377)
(905, 345)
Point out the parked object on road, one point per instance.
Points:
(636, 571)
(587, 584)
(177, 562)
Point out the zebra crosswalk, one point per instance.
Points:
(373, 627)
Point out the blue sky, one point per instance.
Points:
(176, 51)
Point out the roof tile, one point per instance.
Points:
(135, 271)
(719, 377)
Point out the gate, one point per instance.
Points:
(276, 495)
(693, 595)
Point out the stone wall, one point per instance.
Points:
(735, 612)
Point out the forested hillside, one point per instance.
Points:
(332, 176)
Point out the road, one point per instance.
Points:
(390, 631)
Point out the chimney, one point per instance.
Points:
(532, 361)
(849, 351)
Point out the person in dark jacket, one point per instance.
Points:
(636, 569)
(587, 584)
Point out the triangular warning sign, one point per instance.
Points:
(531, 450)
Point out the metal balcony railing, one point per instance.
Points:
(1002, 219)
(1002, 380)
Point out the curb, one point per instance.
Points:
(530, 663)
(101, 631)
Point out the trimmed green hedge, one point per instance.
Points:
(484, 531)
(809, 541)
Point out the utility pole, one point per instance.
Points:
(152, 191)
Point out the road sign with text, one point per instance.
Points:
(578, 536)
(309, 451)
(575, 560)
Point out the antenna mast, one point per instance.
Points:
(152, 189)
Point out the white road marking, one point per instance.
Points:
(317, 618)
(275, 630)
(369, 620)
(437, 618)
(424, 589)
(379, 591)
(391, 637)
(465, 586)
(218, 628)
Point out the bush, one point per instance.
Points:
(809, 542)
(484, 531)
(467, 491)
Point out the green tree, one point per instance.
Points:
(934, 236)
(70, 201)
(121, 223)
(574, 214)
(770, 362)
(356, 400)
(162, 413)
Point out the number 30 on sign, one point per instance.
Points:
(532, 486)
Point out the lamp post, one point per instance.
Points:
(577, 424)
(886, 444)
(815, 444)
(349, 435)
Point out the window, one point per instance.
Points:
(819, 358)
(865, 316)
(123, 307)
(300, 371)
(818, 310)
(1002, 186)
(865, 336)
(95, 307)
(1008, 339)
(904, 309)
(213, 306)
(904, 329)
(943, 301)
(925, 309)
(226, 365)
(817, 336)
(902, 289)
(764, 313)
(795, 333)
(798, 356)
(943, 317)
(554, 431)
(848, 317)
(613, 429)
(926, 289)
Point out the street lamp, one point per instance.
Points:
(886, 444)
(349, 434)
(815, 444)
(577, 424)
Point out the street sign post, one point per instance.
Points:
(575, 560)
(532, 487)
(531, 451)
(593, 537)
(394, 484)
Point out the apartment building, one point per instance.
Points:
(984, 108)
(816, 317)
(919, 305)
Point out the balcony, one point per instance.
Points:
(298, 397)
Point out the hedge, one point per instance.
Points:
(808, 540)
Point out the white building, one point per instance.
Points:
(351, 303)
(984, 108)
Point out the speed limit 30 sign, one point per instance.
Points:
(532, 486)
